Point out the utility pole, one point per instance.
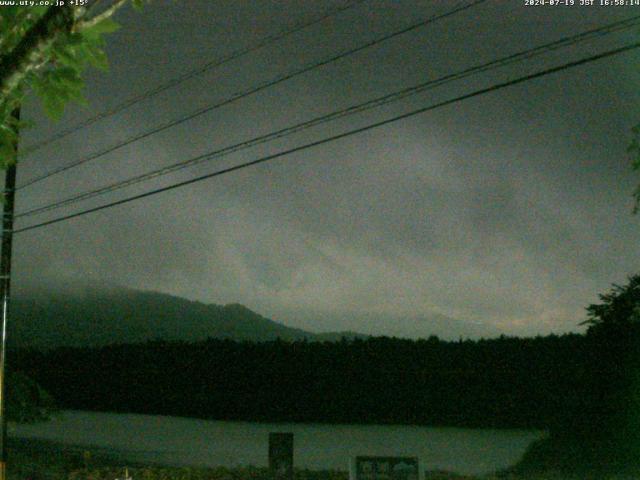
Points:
(5, 284)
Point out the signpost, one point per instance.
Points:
(384, 468)
(281, 455)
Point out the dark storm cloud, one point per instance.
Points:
(506, 213)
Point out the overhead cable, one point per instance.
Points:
(339, 136)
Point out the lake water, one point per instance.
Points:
(187, 441)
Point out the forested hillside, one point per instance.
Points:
(100, 316)
(506, 382)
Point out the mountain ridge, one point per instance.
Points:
(92, 316)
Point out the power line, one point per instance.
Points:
(354, 109)
(252, 90)
(339, 136)
(217, 62)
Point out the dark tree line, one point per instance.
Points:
(505, 382)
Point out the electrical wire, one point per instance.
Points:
(217, 62)
(354, 109)
(245, 93)
(339, 136)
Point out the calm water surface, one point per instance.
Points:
(187, 441)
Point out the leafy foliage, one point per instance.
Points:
(505, 382)
(613, 374)
(620, 308)
(58, 65)
(634, 153)
(27, 402)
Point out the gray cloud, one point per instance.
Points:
(506, 213)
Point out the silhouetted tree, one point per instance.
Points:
(613, 341)
(619, 310)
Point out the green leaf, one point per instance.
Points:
(53, 105)
(8, 134)
(68, 78)
(137, 4)
(78, 97)
(7, 156)
(8, 138)
(98, 59)
(91, 51)
(10, 13)
(52, 94)
(75, 38)
(107, 25)
(68, 56)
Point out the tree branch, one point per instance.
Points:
(28, 53)
(101, 16)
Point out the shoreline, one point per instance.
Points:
(193, 442)
(48, 460)
(56, 460)
(443, 426)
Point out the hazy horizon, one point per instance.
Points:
(508, 212)
(367, 323)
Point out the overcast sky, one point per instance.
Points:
(506, 213)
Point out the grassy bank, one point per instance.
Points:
(40, 460)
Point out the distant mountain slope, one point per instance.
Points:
(99, 316)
